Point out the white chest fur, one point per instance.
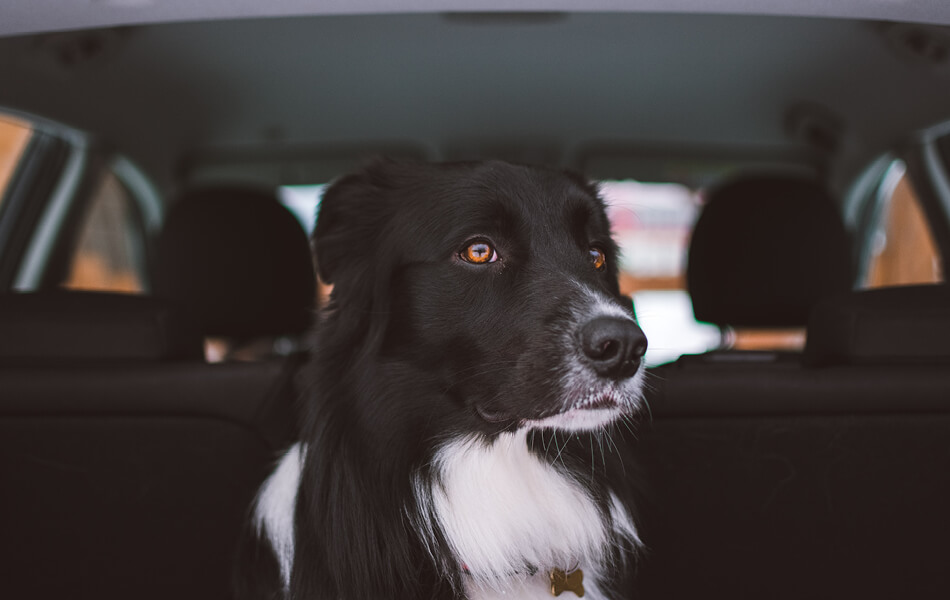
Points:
(503, 511)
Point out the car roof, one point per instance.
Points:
(31, 16)
(181, 88)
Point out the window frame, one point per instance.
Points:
(51, 188)
(918, 159)
(58, 218)
(28, 196)
(865, 207)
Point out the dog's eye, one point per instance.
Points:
(478, 253)
(598, 258)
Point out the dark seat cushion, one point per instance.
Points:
(134, 481)
(126, 475)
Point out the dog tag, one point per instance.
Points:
(567, 582)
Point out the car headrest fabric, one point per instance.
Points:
(764, 250)
(885, 326)
(239, 260)
(75, 326)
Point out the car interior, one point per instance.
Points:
(778, 179)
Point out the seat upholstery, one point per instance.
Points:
(89, 326)
(129, 463)
(815, 475)
(901, 325)
(824, 478)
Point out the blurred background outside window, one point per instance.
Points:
(14, 135)
(903, 248)
(110, 252)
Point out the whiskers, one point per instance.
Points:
(647, 384)
(551, 445)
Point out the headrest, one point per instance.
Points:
(885, 326)
(764, 250)
(69, 326)
(239, 260)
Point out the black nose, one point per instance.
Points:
(613, 345)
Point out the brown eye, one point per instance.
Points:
(479, 253)
(598, 258)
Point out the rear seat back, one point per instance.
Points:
(891, 326)
(128, 463)
(869, 352)
(814, 475)
(86, 327)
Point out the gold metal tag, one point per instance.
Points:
(567, 582)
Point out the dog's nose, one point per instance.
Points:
(614, 346)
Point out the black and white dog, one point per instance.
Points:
(474, 356)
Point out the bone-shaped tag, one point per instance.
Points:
(567, 582)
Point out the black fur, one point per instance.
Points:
(417, 345)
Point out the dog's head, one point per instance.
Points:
(490, 288)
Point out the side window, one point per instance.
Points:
(14, 135)
(110, 250)
(903, 251)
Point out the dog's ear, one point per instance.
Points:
(350, 250)
(349, 222)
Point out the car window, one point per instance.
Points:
(903, 251)
(110, 252)
(14, 135)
